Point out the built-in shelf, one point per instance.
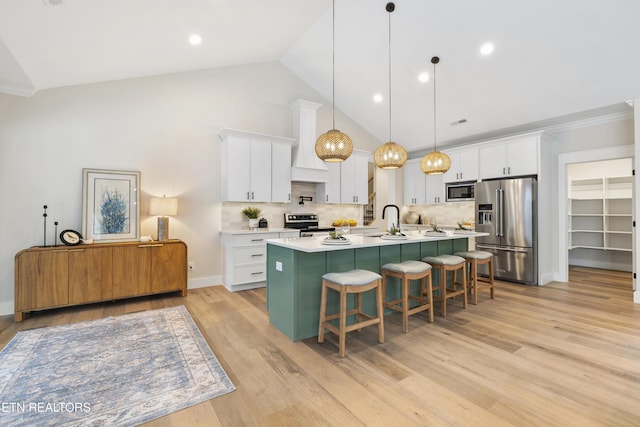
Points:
(600, 217)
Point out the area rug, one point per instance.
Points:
(117, 371)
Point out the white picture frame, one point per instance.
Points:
(110, 205)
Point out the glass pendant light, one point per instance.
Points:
(390, 155)
(435, 162)
(333, 145)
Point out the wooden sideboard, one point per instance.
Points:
(60, 276)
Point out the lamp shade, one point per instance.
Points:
(334, 146)
(390, 156)
(165, 206)
(435, 163)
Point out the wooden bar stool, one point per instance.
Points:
(407, 271)
(476, 258)
(453, 263)
(351, 282)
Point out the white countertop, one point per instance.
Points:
(314, 244)
(258, 230)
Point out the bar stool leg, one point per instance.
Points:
(428, 280)
(380, 298)
(323, 312)
(405, 304)
(443, 291)
(491, 276)
(464, 283)
(343, 322)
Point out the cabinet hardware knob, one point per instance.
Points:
(257, 272)
(257, 240)
(257, 254)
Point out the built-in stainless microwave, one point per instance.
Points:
(460, 191)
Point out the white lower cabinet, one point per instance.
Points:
(245, 258)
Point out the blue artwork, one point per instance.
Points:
(112, 207)
(113, 210)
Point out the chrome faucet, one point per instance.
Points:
(397, 213)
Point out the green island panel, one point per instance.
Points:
(281, 289)
(308, 285)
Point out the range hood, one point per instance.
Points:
(306, 166)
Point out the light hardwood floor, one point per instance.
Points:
(566, 354)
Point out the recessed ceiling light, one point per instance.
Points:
(377, 98)
(195, 39)
(486, 48)
(423, 77)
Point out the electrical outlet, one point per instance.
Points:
(192, 265)
(278, 266)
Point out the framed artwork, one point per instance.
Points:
(110, 205)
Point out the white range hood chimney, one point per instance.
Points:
(306, 166)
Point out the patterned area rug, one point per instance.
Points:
(118, 371)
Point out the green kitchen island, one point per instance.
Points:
(295, 267)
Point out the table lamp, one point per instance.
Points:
(165, 207)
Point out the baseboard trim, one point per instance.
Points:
(203, 282)
(6, 308)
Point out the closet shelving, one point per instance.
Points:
(600, 214)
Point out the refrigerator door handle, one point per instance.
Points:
(501, 208)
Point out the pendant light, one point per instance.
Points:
(435, 162)
(333, 145)
(390, 155)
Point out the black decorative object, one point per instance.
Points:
(44, 215)
(55, 234)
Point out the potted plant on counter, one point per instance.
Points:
(252, 214)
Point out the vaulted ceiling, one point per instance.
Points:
(553, 61)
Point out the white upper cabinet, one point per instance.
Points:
(414, 183)
(509, 158)
(464, 165)
(329, 192)
(249, 170)
(354, 179)
(434, 189)
(280, 172)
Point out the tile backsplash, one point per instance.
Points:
(233, 219)
(443, 214)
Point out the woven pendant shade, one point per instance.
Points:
(390, 156)
(334, 146)
(435, 163)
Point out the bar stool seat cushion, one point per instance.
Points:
(352, 278)
(443, 260)
(411, 267)
(480, 255)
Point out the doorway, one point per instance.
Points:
(600, 205)
(563, 202)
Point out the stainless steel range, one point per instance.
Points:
(307, 223)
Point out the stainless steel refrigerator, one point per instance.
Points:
(507, 210)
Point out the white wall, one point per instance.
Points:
(166, 127)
